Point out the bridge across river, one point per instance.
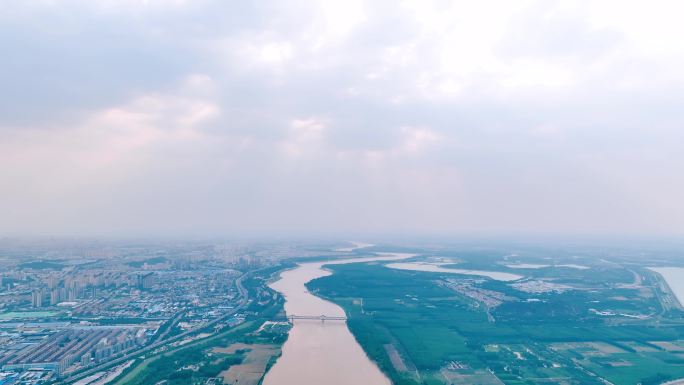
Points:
(321, 318)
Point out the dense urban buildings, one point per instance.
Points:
(68, 307)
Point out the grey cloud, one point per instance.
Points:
(412, 128)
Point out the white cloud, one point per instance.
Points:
(305, 135)
(418, 138)
(338, 116)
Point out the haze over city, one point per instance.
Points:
(208, 118)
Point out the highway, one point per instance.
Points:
(244, 300)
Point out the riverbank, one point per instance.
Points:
(321, 352)
(674, 278)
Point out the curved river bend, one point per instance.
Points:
(321, 352)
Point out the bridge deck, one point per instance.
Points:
(316, 317)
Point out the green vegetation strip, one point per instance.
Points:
(449, 338)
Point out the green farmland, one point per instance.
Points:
(421, 329)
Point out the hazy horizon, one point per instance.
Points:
(135, 119)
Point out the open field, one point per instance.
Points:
(253, 367)
(470, 377)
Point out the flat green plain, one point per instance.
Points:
(448, 338)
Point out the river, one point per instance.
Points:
(674, 277)
(321, 352)
(437, 268)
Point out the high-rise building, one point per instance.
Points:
(37, 298)
(7, 282)
(145, 281)
(71, 294)
(74, 291)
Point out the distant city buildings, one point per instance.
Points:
(82, 345)
(72, 311)
(145, 281)
(37, 298)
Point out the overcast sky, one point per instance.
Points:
(148, 118)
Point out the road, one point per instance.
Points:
(244, 300)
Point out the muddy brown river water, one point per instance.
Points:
(321, 352)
